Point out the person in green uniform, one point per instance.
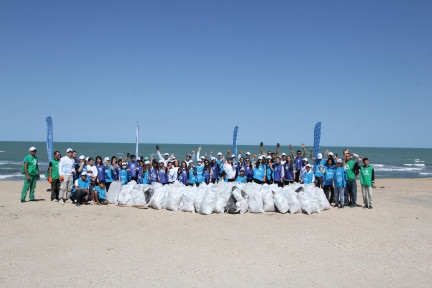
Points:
(31, 170)
(367, 181)
(352, 170)
(54, 176)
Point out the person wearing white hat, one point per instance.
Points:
(283, 158)
(53, 176)
(81, 189)
(229, 169)
(172, 172)
(339, 183)
(162, 173)
(30, 169)
(319, 163)
(259, 171)
(241, 178)
(308, 176)
(214, 170)
(66, 170)
(108, 172)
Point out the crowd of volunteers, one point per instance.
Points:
(86, 180)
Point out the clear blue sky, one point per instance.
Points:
(189, 71)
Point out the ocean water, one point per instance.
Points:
(388, 162)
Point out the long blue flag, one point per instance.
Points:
(235, 140)
(317, 138)
(49, 141)
(137, 139)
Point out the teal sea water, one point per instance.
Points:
(388, 162)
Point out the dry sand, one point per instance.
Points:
(50, 245)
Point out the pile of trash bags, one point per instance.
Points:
(233, 198)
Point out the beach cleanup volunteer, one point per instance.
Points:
(31, 170)
(66, 170)
(54, 176)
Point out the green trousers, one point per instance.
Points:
(29, 185)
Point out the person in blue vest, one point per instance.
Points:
(278, 172)
(240, 165)
(183, 173)
(308, 175)
(115, 169)
(298, 161)
(248, 167)
(108, 173)
(207, 171)
(319, 163)
(154, 175)
(99, 194)
(124, 174)
(192, 174)
(133, 168)
(140, 171)
(241, 178)
(100, 169)
(214, 170)
(162, 173)
(259, 171)
(145, 178)
(269, 170)
(340, 184)
(289, 171)
(200, 177)
(81, 189)
(328, 171)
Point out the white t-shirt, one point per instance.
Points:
(172, 176)
(92, 171)
(229, 170)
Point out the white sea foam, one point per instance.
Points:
(399, 169)
(377, 165)
(2, 151)
(10, 175)
(10, 163)
(417, 165)
(425, 173)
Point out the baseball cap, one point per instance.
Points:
(283, 154)
(308, 165)
(166, 154)
(69, 150)
(233, 156)
(124, 164)
(106, 159)
(147, 162)
(339, 161)
(87, 158)
(161, 161)
(219, 153)
(189, 155)
(242, 169)
(146, 158)
(82, 157)
(248, 153)
(330, 154)
(32, 148)
(84, 174)
(319, 156)
(305, 159)
(260, 157)
(202, 157)
(268, 157)
(213, 158)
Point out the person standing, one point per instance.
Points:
(31, 170)
(66, 170)
(298, 161)
(53, 172)
(352, 170)
(367, 181)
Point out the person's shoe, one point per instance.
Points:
(341, 206)
(22, 200)
(370, 207)
(54, 200)
(352, 205)
(365, 206)
(78, 204)
(90, 202)
(61, 201)
(69, 201)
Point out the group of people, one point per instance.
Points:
(84, 179)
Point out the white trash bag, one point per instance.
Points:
(209, 201)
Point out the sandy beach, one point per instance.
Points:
(47, 244)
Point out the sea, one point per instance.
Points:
(388, 162)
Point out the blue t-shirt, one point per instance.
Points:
(101, 172)
(101, 193)
(132, 166)
(108, 174)
(317, 170)
(308, 177)
(240, 179)
(124, 176)
(258, 174)
(329, 175)
(339, 177)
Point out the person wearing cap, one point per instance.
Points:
(303, 168)
(339, 183)
(53, 176)
(30, 169)
(81, 189)
(352, 170)
(319, 163)
(308, 175)
(229, 169)
(190, 158)
(172, 172)
(298, 161)
(108, 172)
(92, 173)
(331, 155)
(241, 178)
(283, 158)
(165, 158)
(66, 170)
(200, 176)
(248, 167)
(328, 172)
(259, 171)
(124, 174)
(269, 153)
(140, 174)
(214, 170)
(269, 170)
(153, 170)
(80, 166)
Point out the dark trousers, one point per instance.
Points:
(258, 181)
(319, 181)
(351, 191)
(288, 182)
(327, 189)
(297, 176)
(55, 188)
(279, 183)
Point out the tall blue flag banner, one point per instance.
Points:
(49, 141)
(235, 140)
(137, 136)
(317, 138)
